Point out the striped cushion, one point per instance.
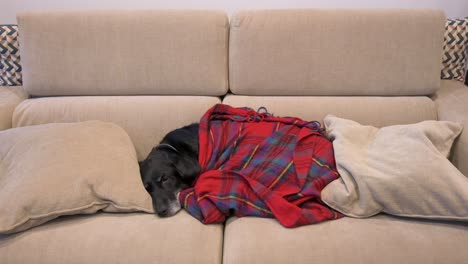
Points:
(10, 67)
(455, 49)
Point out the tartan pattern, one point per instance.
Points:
(10, 66)
(455, 49)
(255, 164)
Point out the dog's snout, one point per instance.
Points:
(167, 208)
(162, 212)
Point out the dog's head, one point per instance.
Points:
(165, 172)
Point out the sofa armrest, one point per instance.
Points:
(10, 97)
(452, 105)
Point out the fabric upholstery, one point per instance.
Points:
(400, 170)
(455, 49)
(69, 168)
(451, 101)
(10, 65)
(142, 52)
(116, 238)
(336, 52)
(145, 118)
(10, 97)
(376, 111)
(381, 239)
(364, 51)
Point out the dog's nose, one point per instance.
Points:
(162, 212)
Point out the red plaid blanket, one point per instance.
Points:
(255, 164)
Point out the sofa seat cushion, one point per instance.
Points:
(116, 238)
(370, 110)
(145, 118)
(380, 239)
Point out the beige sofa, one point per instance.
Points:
(153, 71)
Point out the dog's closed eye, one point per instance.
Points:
(163, 179)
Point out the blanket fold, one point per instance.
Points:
(255, 164)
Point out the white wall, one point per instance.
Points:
(9, 8)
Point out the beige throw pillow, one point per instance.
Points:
(69, 168)
(400, 170)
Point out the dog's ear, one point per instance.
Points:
(141, 164)
(188, 168)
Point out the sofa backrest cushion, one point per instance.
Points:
(124, 52)
(336, 52)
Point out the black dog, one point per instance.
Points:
(171, 167)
